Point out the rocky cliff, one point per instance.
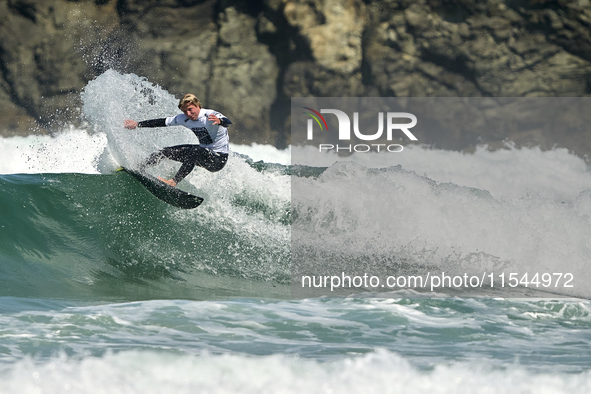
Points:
(248, 58)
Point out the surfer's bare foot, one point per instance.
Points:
(170, 182)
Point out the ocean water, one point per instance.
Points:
(103, 288)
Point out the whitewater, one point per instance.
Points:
(104, 288)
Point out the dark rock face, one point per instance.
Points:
(44, 57)
(247, 59)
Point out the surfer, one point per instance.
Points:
(209, 126)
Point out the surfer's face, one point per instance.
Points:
(191, 111)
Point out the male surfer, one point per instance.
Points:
(208, 125)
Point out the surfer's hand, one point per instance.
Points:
(214, 119)
(129, 124)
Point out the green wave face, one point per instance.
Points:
(90, 236)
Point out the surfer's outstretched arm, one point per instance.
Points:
(132, 124)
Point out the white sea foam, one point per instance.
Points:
(378, 372)
(352, 212)
(71, 150)
(264, 152)
(509, 172)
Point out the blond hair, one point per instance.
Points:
(189, 99)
